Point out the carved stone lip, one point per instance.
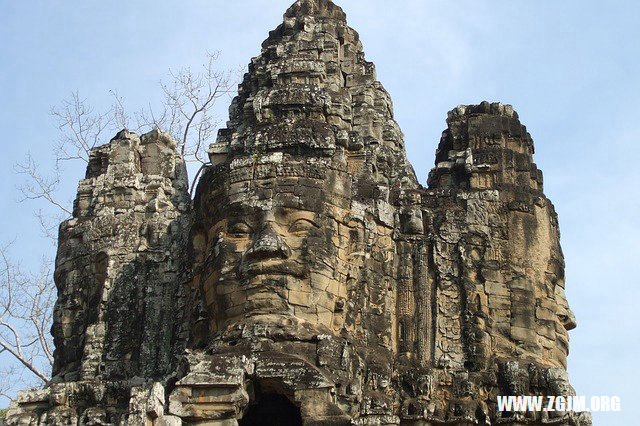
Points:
(290, 268)
(563, 342)
(265, 281)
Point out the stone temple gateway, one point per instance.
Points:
(313, 280)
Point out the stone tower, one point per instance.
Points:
(313, 280)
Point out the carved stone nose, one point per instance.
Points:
(569, 320)
(565, 314)
(268, 244)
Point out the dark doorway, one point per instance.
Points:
(272, 409)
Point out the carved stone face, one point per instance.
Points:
(540, 316)
(276, 247)
(565, 319)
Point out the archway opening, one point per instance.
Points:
(272, 409)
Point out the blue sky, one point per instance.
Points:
(571, 69)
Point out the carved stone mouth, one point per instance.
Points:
(563, 342)
(287, 268)
(266, 281)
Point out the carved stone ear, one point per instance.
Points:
(199, 244)
(356, 236)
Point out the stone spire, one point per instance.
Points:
(485, 147)
(316, 8)
(312, 88)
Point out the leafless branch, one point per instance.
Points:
(39, 186)
(49, 223)
(120, 119)
(26, 303)
(187, 103)
(9, 375)
(80, 128)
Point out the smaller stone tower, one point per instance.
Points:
(119, 272)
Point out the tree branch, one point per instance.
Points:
(25, 362)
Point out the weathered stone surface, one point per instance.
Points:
(312, 280)
(118, 269)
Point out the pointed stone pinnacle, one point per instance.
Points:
(320, 8)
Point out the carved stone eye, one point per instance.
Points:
(302, 226)
(240, 230)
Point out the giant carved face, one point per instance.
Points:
(564, 318)
(540, 317)
(275, 242)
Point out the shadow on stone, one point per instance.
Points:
(272, 410)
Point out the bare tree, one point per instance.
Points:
(25, 316)
(186, 110)
(81, 130)
(27, 298)
(185, 113)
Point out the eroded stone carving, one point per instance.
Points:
(313, 280)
